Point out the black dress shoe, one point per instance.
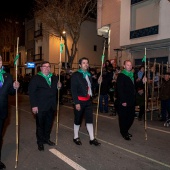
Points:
(40, 147)
(94, 142)
(130, 135)
(2, 165)
(77, 141)
(126, 137)
(50, 143)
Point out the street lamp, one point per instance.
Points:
(64, 32)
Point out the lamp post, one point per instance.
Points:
(64, 32)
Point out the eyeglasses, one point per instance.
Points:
(46, 66)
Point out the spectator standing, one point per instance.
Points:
(104, 90)
(140, 102)
(94, 81)
(107, 64)
(165, 97)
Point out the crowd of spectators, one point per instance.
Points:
(24, 82)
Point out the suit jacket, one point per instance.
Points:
(41, 94)
(79, 86)
(5, 90)
(125, 90)
(165, 90)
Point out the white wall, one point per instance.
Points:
(54, 50)
(109, 15)
(88, 38)
(144, 15)
(164, 24)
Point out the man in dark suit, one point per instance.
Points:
(81, 89)
(7, 87)
(43, 89)
(126, 99)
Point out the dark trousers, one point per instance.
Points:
(111, 94)
(141, 111)
(1, 131)
(86, 111)
(44, 122)
(126, 118)
(105, 97)
(165, 108)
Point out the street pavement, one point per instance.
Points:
(115, 153)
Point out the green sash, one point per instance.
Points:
(129, 74)
(47, 78)
(84, 72)
(1, 76)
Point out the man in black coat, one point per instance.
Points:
(164, 96)
(126, 99)
(81, 90)
(43, 89)
(7, 87)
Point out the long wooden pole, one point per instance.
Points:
(153, 89)
(146, 136)
(159, 70)
(162, 69)
(58, 101)
(16, 72)
(101, 72)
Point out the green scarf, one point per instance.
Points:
(84, 73)
(129, 74)
(46, 77)
(1, 75)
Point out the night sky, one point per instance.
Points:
(16, 8)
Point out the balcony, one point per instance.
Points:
(38, 34)
(37, 57)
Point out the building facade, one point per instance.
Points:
(41, 45)
(135, 25)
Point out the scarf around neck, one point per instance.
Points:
(1, 77)
(47, 78)
(129, 74)
(84, 73)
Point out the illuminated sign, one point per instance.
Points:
(30, 65)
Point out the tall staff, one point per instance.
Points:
(101, 71)
(153, 88)
(159, 70)
(145, 98)
(16, 71)
(58, 103)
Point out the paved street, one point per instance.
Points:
(115, 153)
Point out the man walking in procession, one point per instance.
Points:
(7, 87)
(43, 89)
(81, 83)
(126, 99)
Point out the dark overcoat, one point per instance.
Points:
(5, 90)
(43, 95)
(79, 86)
(125, 90)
